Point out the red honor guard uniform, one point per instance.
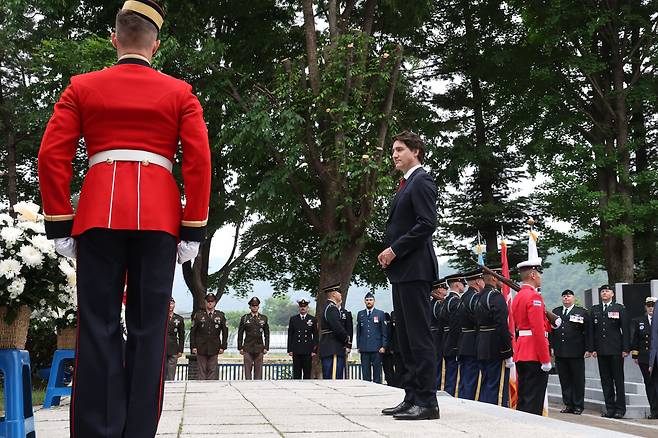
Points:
(128, 221)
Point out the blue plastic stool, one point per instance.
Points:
(18, 421)
(56, 386)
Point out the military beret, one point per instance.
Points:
(211, 297)
(567, 292)
(606, 287)
(254, 301)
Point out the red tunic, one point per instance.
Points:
(127, 106)
(529, 314)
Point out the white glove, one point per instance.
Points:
(66, 246)
(187, 250)
(509, 363)
(546, 367)
(558, 322)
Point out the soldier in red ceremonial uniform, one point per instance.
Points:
(532, 356)
(128, 223)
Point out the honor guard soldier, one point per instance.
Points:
(253, 340)
(439, 291)
(334, 339)
(208, 338)
(371, 339)
(610, 334)
(571, 345)
(532, 355)
(175, 340)
(348, 323)
(302, 341)
(494, 343)
(451, 333)
(469, 370)
(640, 345)
(128, 221)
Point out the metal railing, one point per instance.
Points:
(271, 371)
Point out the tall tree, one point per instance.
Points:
(596, 58)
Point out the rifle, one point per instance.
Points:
(552, 317)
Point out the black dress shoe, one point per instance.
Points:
(577, 411)
(397, 409)
(653, 417)
(418, 413)
(608, 414)
(618, 415)
(567, 410)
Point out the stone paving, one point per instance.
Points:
(322, 408)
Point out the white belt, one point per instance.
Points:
(144, 157)
(528, 333)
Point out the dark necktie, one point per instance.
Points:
(605, 307)
(369, 313)
(401, 185)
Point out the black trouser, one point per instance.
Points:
(650, 386)
(571, 371)
(411, 302)
(113, 399)
(611, 370)
(532, 387)
(301, 365)
(388, 364)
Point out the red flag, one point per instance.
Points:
(513, 384)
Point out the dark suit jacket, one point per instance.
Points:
(572, 338)
(653, 351)
(411, 223)
(641, 339)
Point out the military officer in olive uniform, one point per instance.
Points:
(610, 334)
(175, 340)
(494, 343)
(302, 341)
(449, 320)
(439, 291)
(469, 370)
(208, 338)
(640, 344)
(334, 338)
(571, 345)
(253, 340)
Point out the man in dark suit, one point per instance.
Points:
(571, 345)
(129, 224)
(610, 334)
(411, 266)
(302, 341)
(640, 344)
(371, 339)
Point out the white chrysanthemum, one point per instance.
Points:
(51, 288)
(37, 227)
(10, 268)
(28, 211)
(5, 219)
(11, 235)
(42, 302)
(31, 256)
(16, 287)
(70, 317)
(43, 244)
(68, 270)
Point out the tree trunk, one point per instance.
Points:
(336, 271)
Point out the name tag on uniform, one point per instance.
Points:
(577, 318)
(375, 319)
(613, 315)
(536, 303)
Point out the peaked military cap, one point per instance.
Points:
(440, 283)
(567, 292)
(534, 263)
(254, 301)
(650, 301)
(606, 286)
(303, 303)
(211, 297)
(332, 288)
(147, 9)
(473, 275)
(454, 278)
